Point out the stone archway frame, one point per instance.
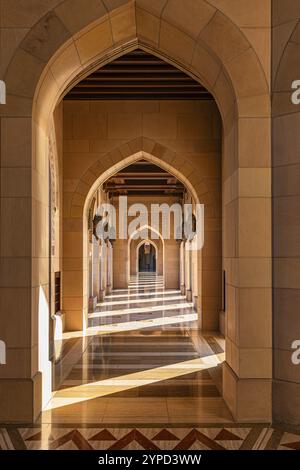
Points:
(211, 54)
(143, 242)
(213, 49)
(96, 175)
(150, 229)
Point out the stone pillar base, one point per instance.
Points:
(101, 295)
(189, 295)
(21, 399)
(59, 325)
(286, 403)
(108, 290)
(121, 285)
(92, 304)
(182, 289)
(76, 320)
(222, 322)
(249, 400)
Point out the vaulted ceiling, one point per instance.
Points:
(143, 178)
(138, 76)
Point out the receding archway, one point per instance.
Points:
(160, 250)
(162, 157)
(147, 256)
(244, 105)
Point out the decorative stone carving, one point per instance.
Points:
(53, 203)
(96, 220)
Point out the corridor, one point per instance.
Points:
(150, 273)
(144, 362)
(142, 377)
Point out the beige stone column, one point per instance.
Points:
(247, 249)
(160, 260)
(101, 293)
(172, 266)
(133, 257)
(200, 300)
(109, 268)
(182, 268)
(104, 265)
(96, 269)
(90, 276)
(23, 295)
(75, 292)
(120, 264)
(186, 268)
(189, 285)
(195, 278)
(210, 271)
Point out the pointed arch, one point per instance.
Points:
(62, 47)
(150, 229)
(125, 155)
(143, 242)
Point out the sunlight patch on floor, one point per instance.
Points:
(91, 391)
(128, 311)
(130, 326)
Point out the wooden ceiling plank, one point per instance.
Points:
(138, 75)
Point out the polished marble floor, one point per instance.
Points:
(142, 361)
(142, 377)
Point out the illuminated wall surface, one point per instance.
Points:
(286, 226)
(194, 103)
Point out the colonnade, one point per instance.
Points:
(189, 273)
(100, 270)
(101, 273)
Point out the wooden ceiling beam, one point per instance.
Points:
(138, 75)
(127, 84)
(109, 187)
(146, 193)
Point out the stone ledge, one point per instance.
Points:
(249, 400)
(21, 399)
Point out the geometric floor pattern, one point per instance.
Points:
(217, 437)
(141, 360)
(142, 378)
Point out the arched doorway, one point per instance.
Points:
(147, 257)
(243, 104)
(159, 244)
(125, 252)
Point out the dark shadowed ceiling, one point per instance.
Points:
(143, 178)
(138, 76)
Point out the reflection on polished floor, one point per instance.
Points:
(141, 378)
(142, 361)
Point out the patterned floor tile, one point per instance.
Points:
(5, 441)
(156, 384)
(290, 442)
(218, 437)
